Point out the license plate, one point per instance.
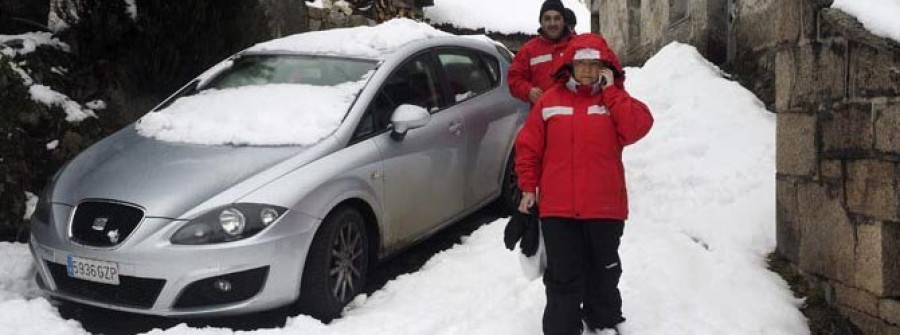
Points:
(93, 270)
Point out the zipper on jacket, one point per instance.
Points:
(572, 151)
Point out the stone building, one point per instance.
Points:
(734, 34)
(638, 28)
(836, 89)
(353, 13)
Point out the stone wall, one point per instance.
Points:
(636, 29)
(338, 15)
(836, 89)
(837, 93)
(738, 35)
(353, 13)
(284, 17)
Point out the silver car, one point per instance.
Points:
(156, 227)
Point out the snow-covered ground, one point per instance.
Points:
(500, 16)
(702, 192)
(878, 16)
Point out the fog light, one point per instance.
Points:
(223, 289)
(232, 221)
(268, 215)
(223, 285)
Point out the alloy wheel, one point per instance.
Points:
(347, 257)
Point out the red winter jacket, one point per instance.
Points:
(571, 145)
(533, 65)
(536, 65)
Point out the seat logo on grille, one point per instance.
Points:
(99, 224)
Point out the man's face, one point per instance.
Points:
(553, 24)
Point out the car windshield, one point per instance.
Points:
(256, 70)
(263, 100)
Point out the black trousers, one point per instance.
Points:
(582, 276)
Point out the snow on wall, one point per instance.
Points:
(881, 17)
(501, 16)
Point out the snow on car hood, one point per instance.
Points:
(166, 179)
(362, 42)
(276, 114)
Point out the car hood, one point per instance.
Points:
(166, 179)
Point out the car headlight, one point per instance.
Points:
(228, 223)
(232, 221)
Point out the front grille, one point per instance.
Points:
(131, 291)
(104, 224)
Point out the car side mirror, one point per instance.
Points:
(407, 117)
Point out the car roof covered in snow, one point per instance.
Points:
(374, 42)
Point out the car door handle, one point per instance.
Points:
(455, 127)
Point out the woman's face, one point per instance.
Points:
(587, 71)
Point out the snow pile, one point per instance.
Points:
(362, 42)
(21, 311)
(501, 16)
(315, 4)
(30, 42)
(16, 279)
(35, 316)
(49, 97)
(52, 145)
(702, 193)
(31, 201)
(878, 16)
(131, 9)
(254, 115)
(730, 167)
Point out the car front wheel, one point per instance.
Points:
(510, 195)
(336, 265)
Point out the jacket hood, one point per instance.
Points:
(562, 65)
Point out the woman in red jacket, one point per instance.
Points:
(569, 159)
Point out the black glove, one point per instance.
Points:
(531, 239)
(523, 228)
(515, 229)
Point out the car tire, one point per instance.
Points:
(510, 195)
(336, 265)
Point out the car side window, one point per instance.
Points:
(414, 83)
(466, 74)
(493, 67)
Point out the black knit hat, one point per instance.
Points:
(552, 5)
(569, 17)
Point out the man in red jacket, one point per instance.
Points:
(569, 159)
(529, 74)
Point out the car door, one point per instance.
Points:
(423, 172)
(473, 83)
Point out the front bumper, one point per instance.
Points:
(154, 274)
